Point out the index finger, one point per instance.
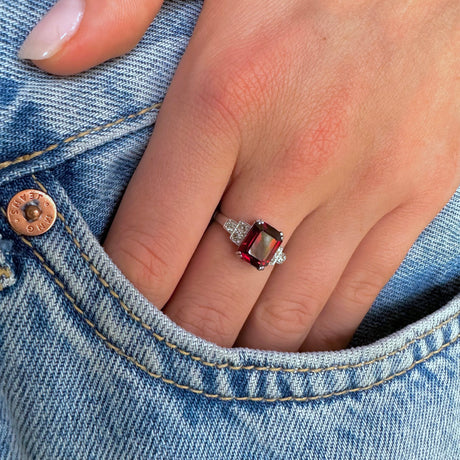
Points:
(173, 193)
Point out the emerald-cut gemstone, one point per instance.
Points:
(260, 244)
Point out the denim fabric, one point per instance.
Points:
(89, 369)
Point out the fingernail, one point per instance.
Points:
(56, 28)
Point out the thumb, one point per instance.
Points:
(78, 34)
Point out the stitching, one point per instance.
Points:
(6, 272)
(32, 155)
(228, 365)
(202, 392)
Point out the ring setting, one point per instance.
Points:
(258, 244)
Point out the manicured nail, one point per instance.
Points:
(56, 28)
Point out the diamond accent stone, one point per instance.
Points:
(279, 257)
(230, 225)
(240, 232)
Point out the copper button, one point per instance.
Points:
(31, 212)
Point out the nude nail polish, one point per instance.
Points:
(53, 31)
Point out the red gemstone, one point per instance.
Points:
(260, 244)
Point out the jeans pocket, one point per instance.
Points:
(117, 312)
(89, 350)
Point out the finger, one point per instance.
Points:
(174, 192)
(78, 34)
(371, 266)
(318, 253)
(218, 289)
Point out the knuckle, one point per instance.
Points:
(289, 316)
(143, 262)
(213, 107)
(317, 141)
(235, 84)
(217, 98)
(328, 338)
(207, 320)
(360, 288)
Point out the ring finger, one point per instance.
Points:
(218, 290)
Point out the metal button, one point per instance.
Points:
(31, 212)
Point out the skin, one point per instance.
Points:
(336, 122)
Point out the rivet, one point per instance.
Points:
(31, 212)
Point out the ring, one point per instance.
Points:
(258, 244)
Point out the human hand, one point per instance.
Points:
(335, 123)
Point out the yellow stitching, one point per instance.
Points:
(42, 187)
(227, 365)
(227, 398)
(32, 155)
(6, 272)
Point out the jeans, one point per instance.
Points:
(89, 369)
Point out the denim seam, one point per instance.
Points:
(228, 365)
(202, 392)
(85, 133)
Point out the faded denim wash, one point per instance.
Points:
(89, 369)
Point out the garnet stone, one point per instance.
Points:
(260, 244)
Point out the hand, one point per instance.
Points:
(336, 123)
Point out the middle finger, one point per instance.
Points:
(321, 248)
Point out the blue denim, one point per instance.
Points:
(89, 369)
